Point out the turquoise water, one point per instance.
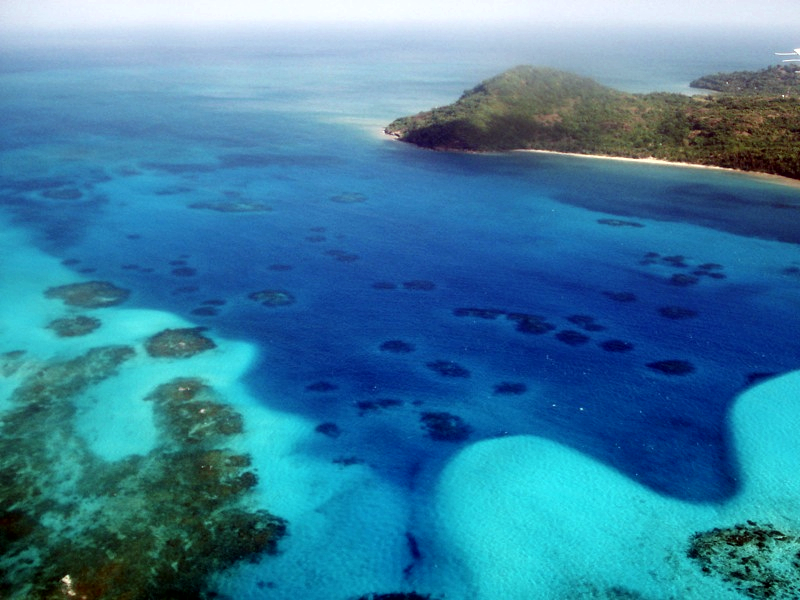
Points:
(523, 294)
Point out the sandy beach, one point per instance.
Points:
(778, 179)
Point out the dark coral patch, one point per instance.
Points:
(89, 294)
(331, 430)
(530, 323)
(272, 297)
(672, 367)
(616, 346)
(179, 343)
(683, 280)
(74, 326)
(419, 285)
(186, 289)
(365, 406)
(384, 285)
(678, 261)
(586, 322)
(398, 346)
(448, 368)
(184, 272)
(444, 427)
(677, 312)
(342, 256)
(396, 596)
(348, 461)
(321, 386)
(205, 311)
(619, 223)
(479, 313)
(280, 267)
(215, 302)
(759, 377)
(572, 337)
(621, 296)
(349, 198)
(63, 194)
(315, 238)
(509, 388)
(239, 206)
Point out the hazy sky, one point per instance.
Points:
(90, 13)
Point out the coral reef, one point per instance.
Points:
(508, 388)
(619, 223)
(621, 296)
(342, 255)
(616, 346)
(757, 560)
(332, 430)
(572, 337)
(63, 194)
(677, 312)
(396, 596)
(585, 322)
(74, 326)
(179, 343)
(444, 427)
(479, 313)
(321, 386)
(10, 362)
(422, 285)
(384, 285)
(365, 406)
(184, 272)
(448, 368)
(672, 367)
(272, 297)
(349, 198)
(683, 280)
(147, 526)
(398, 346)
(239, 206)
(89, 294)
(530, 323)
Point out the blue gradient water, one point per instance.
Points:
(142, 129)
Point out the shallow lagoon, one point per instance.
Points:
(433, 355)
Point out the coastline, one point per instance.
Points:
(766, 177)
(770, 177)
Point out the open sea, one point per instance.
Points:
(459, 376)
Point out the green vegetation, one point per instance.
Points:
(545, 109)
(778, 80)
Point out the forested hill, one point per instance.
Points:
(778, 80)
(545, 109)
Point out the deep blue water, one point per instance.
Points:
(107, 143)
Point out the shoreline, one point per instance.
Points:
(771, 177)
(766, 177)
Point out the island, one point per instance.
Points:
(750, 122)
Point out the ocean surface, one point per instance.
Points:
(468, 376)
